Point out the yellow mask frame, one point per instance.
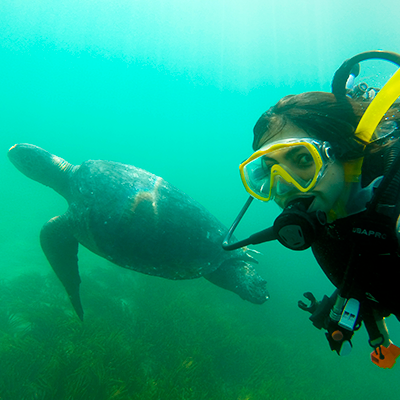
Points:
(277, 170)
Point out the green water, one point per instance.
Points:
(175, 88)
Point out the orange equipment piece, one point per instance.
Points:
(385, 357)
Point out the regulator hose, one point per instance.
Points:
(342, 74)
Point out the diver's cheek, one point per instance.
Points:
(329, 191)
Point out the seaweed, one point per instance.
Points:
(142, 338)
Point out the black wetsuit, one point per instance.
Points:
(373, 254)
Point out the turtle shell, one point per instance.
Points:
(139, 221)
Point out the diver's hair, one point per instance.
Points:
(323, 116)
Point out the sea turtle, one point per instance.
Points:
(136, 220)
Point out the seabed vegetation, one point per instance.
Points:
(139, 340)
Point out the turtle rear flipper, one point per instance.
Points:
(61, 250)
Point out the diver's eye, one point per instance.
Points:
(304, 160)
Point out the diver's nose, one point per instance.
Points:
(281, 187)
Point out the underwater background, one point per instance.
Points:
(173, 87)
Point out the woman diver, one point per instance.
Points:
(334, 169)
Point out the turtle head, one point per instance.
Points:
(31, 160)
(41, 166)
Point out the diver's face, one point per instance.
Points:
(326, 192)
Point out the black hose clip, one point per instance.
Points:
(313, 303)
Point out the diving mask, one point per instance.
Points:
(285, 165)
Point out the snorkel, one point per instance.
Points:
(296, 228)
(358, 197)
(375, 111)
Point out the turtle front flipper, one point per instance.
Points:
(61, 250)
(240, 277)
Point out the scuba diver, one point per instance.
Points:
(331, 161)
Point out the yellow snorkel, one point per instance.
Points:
(370, 120)
(379, 106)
(375, 111)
